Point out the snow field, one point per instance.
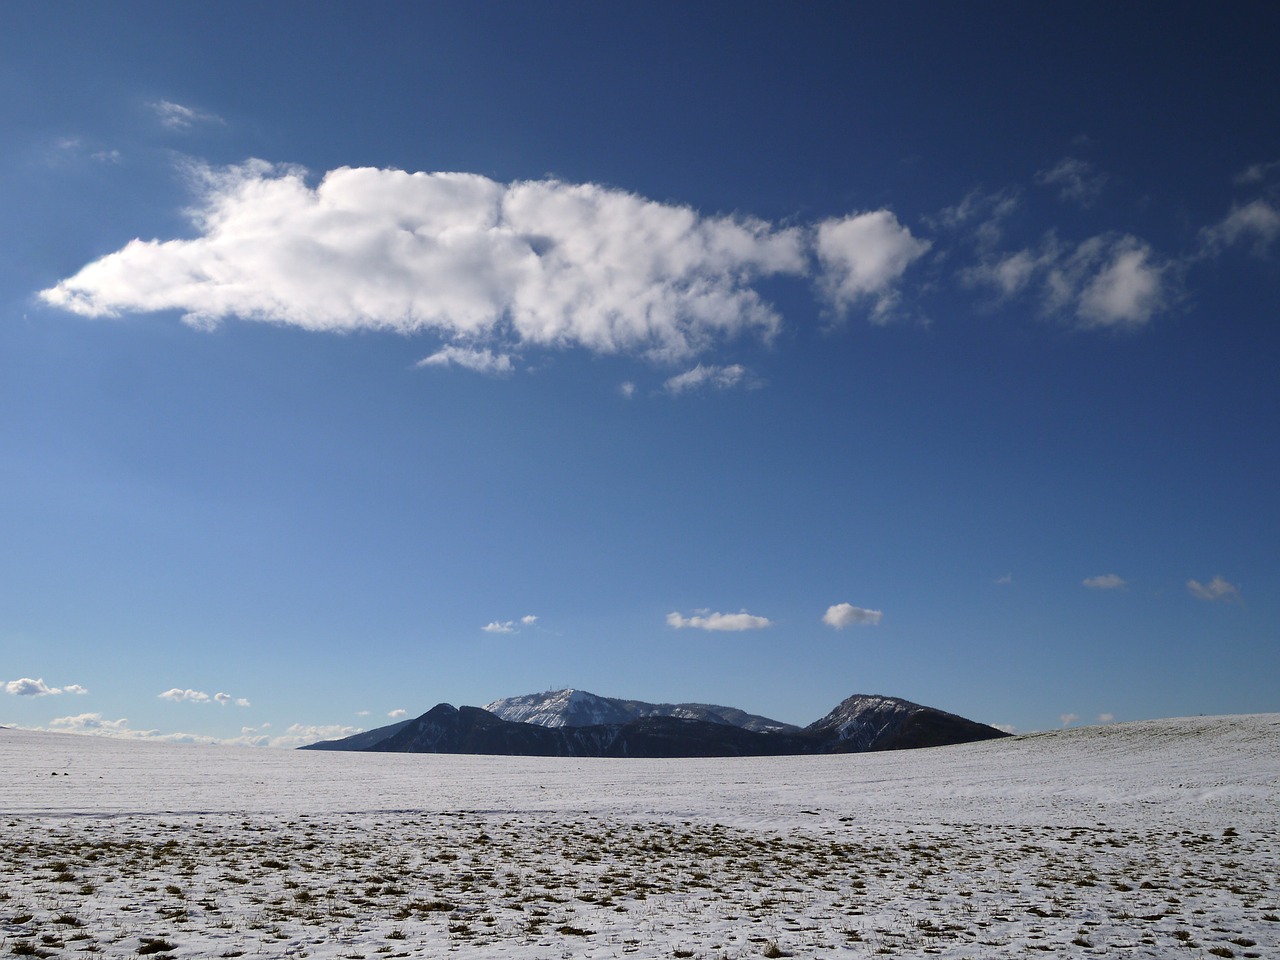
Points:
(1142, 840)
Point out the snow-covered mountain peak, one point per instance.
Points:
(578, 708)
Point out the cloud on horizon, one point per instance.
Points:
(705, 620)
(843, 615)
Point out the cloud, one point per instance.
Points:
(397, 713)
(474, 261)
(222, 698)
(178, 695)
(1216, 589)
(94, 723)
(26, 687)
(863, 256)
(1124, 290)
(1256, 223)
(1075, 179)
(1106, 718)
(510, 626)
(984, 214)
(75, 688)
(1257, 173)
(720, 378)
(242, 702)
(627, 389)
(1109, 281)
(1068, 719)
(479, 361)
(300, 734)
(1008, 728)
(1004, 581)
(704, 620)
(843, 615)
(177, 117)
(1106, 581)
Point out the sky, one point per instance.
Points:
(357, 359)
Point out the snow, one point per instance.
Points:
(1149, 839)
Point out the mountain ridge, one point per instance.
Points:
(860, 723)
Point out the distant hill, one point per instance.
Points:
(860, 723)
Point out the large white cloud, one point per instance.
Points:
(863, 257)
(705, 620)
(474, 260)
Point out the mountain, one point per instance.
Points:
(448, 729)
(860, 723)
(578, 708)
(863, 723)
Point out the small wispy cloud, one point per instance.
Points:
(1106, 718)
(1068, 719)
(1255, 224)
(1106, 581)
(705, 620)
(478, 361)
(1075, 180)
(397, 713)
(510, 626)
(176, 116)
(1257, 173)
(1216, 589)
(1110, 281)
(1004, 581)
(179, 695)
(712, 376)
(843, 615)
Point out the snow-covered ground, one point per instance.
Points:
(1152, 839)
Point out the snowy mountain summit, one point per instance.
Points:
(871, 722)
(578, 708)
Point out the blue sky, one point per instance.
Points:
(355, 359)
